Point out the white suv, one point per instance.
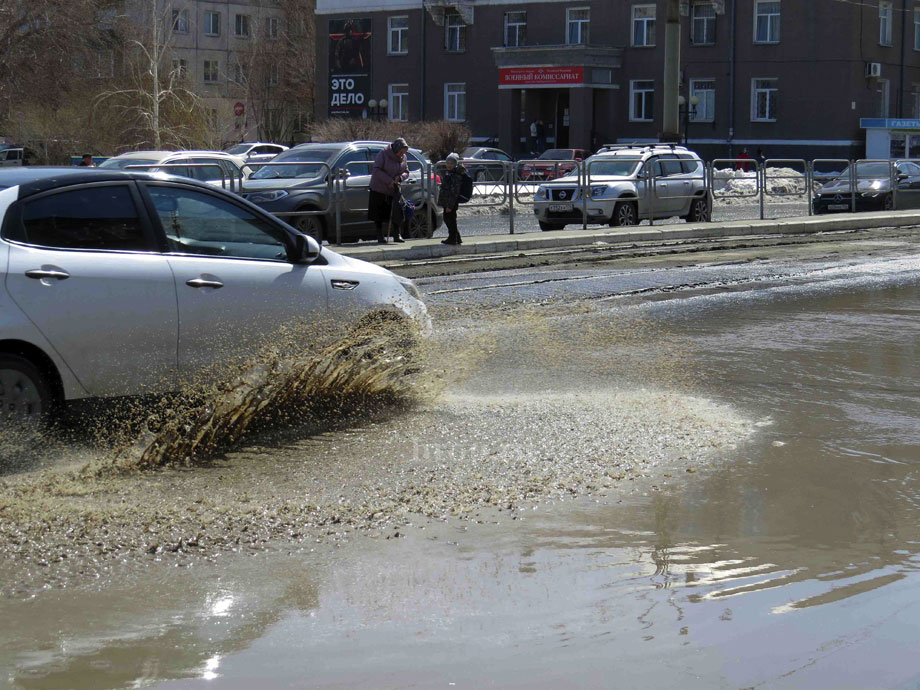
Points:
(626, 184)
(125, 283)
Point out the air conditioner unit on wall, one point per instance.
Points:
(873, 70)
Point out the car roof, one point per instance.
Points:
(32, 180)
(160, 155)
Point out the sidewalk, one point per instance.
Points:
(414, 250)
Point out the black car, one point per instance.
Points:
(486, 171)
(298, 180)
(873, 188)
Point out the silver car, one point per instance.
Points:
(125, 283)
(214, 167)
(627, 184)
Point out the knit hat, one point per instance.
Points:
(455, 157)
(398, 145)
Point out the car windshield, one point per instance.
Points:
(557, 155)
(314, 164)
(874, 169)
(239, 149)
(122, 163)
(608, 166)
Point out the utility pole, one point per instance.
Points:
(670, 124)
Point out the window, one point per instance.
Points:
(577, 22)
(702, 24)
(455, 102)
(212, 23)
(198, 223)
(705, 92)
(883, 89)
(399, 35)
(273, 75)
(97, 218)
(241, 26)
(766, 21)
(916, 28)
(180, 68)
(398, 97)
(641, 100)
(104, 64)
(643, 22)
(763, 100)
(915, 101)
(454, 33)
(515, 29)
(271, 28)
(211, 71)
(884, 23)
(180, 21)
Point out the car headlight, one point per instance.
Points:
(599, 191)
(410, 287)
(265, 197)
(541, 193)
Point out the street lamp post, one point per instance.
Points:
(377, 108)
(686, 111)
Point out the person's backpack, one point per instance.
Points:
(466, 189)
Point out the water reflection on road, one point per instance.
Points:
(788, 561)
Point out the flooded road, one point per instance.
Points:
(695, 477)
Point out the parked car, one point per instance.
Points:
(124, 283)
(627, 184)
(552, 170)
(298, 181)
(223, 169)
(488, 171)
(11, 155)
(256, 151)
(873, 188)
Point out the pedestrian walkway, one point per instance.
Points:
(415, 250)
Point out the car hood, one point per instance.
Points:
(841, 186)
(252, 185)
(569, 180)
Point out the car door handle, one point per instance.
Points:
(203, 283)
(344, 284)
(41, 273)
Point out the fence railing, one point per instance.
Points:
(579, 192)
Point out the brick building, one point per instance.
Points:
(794, 77)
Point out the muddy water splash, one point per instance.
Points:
(378, 365)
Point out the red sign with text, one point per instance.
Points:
(536, 76)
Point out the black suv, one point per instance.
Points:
(302, 184)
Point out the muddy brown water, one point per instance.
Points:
(722, 491)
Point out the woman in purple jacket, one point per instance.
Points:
(390, 168)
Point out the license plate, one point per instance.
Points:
(837, 207)
(560, 208)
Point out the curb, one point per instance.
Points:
(414, 250)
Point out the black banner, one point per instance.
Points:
(349, 66)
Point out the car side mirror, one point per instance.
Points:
(306, 250)
(902, 176)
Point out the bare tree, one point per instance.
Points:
(275, 75)
(153, 100)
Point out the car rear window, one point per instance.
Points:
(122, 163)
(99, 218)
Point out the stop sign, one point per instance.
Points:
(238, 109)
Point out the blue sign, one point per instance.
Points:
(886, 123)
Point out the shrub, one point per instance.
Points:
(436, 139)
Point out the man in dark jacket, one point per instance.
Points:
(390, 168)
(449, 198)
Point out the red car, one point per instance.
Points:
(552, 169)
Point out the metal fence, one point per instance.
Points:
(662, 188)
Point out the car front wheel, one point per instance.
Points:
(25, 395)
(625, 213)
(418, 227)
(311, 225)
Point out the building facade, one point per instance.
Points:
(792, 78)
(219, 46)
